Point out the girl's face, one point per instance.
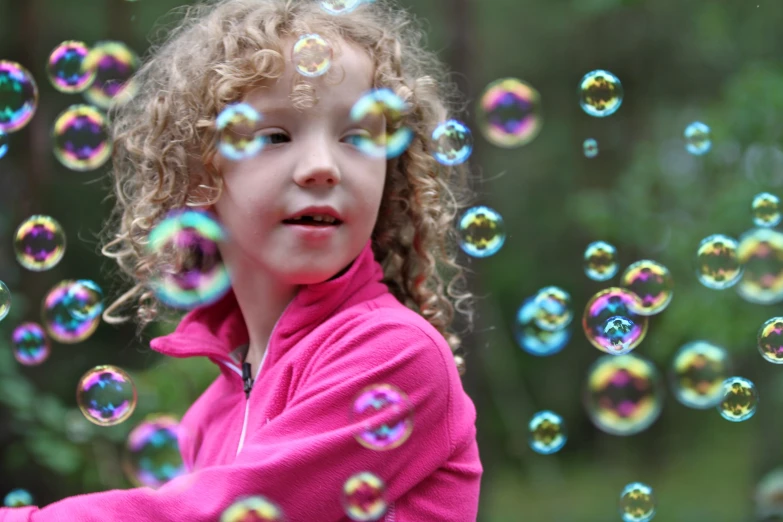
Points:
(310, 159)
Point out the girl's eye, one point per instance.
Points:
(357, 138)
(275, 137)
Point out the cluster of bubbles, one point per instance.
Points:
(18, 498)
(637, 503)
(547, 432)
(481, 231)
(30, 344)
(383, 415)
(106, 395)
(152, 452)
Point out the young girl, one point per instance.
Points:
(316, 315)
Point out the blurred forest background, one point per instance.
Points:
(678, 60)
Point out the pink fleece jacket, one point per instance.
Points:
(290, 438)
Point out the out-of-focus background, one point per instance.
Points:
(679, 61)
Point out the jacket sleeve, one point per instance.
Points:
(302, 458)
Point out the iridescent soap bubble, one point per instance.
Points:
(5, 301)
(338, 7)
(81, 138)
(364, 497)
(18, 96)
(238, 138)
(590, 148)
(482, 231)
(554, 308)
(697, 374)
(739, 399)
(113, 63)
(371, 109)
(600, 261)
(717, 262)
(600, 93)
(637, 503)
(39, 243)
(383, 415)
(760, 253)
(191, 272)
(84, 300)
(4, 143)
(652, 282)
(547, 432)
(106, 395)
(697, 138)
(509, 113)
(31, 347)
(60, 323)
(66, 69)
(531, 338)
(311, 55)
(253, 509)
(614, 303)
(766, 210)
(770, 340)
(152, 452)
(624, 395)
(18, 498)
(453, 143)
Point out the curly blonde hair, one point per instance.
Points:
(166, 142)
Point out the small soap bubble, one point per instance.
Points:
(697, 374)
(152, 452)
(600, 93)
(18, 96)
(547, 432)
(31, 347)
(697, 138)
(191, 271)
(311, 55)
(364, 497)
(717, 262)
(624, 395)
(531, 338)
(5, 300)
(60, 323)
(614, 303)
(81, 138)
(39, 243)
(113, 64)
(18, 498)
(637, 503)
(766, 210)
(590, 148)
(106, 395)
(84, 300)
(509, 113)
(652, 282)
(236, 125)
(739, 399)
(770, 340)
(372, 108)
(600, 261)
(482, 232)
(760, 254)
(338, 7)
(255, 509)
(4, 143)
(66, 69)
(453, 143)
(384, 417)
(554, 308)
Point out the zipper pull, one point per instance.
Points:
(247, 378)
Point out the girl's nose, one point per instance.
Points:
(317, 166)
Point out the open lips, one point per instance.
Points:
(319, 220)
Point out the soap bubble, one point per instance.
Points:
(770, 340)
(237, 127)
(5, 301)
(509, 113)
(600, 261)
(18, 96)
(453, 143)
(81, 138)
(553, 308)
(547, 432)
(717, 262)
(338, 7)
(623, 395)
(590, 148)
(58, 318)
(766, 210)
(600, 93)
(652, 282)
(84, 300)
(482, 231)
(106, 395)
(697, 138)
(4, 142)
(311, 55)
(39, 243)
(531, 338)
(364, 497)
(384, 414)
(369, 109)
(191, 273)
(31, 347)
(152, 452)
(614, 303)
(769, 496)
(739, 399)
(760, 253)
(697, 374)
(66, 70)
(18, 498)
(255, 509)
(637, 503)
(113, 63)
